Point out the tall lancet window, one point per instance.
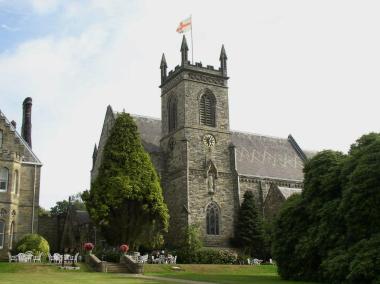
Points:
(207, 109)
(212, 219)
(2, 231)
(172, 113)
(4, 174)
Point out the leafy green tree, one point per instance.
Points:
(331, 232)
(126, 199)
(360, 204)
(249, 231)
(289, 227)
(60, 208)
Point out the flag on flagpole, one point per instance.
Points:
(184, 26)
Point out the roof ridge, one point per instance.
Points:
(258, 134)
(139, 115)
(21, 138)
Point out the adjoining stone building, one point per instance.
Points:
(19, 181)
(205, 167)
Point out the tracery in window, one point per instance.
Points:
(212, 219)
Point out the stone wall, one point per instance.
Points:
(20, 203)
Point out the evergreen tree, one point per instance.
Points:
(331, 233)
(126, 199)
(249, 234)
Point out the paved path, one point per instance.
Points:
(165, 279)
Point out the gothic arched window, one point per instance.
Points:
(11, 235)
(172, 113)
(212, 219)
(4, 173)
(207, 110)
(1, 138)
(15, 181)
(2, 230)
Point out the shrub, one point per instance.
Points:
(190, 246)
(33, 242)
(111, 256)
(207, 256)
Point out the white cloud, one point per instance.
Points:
(295, 68)
(44, 6)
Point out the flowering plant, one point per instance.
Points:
(124, 248)
(88, 246)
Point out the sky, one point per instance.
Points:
(306, 68)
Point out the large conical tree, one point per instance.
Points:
(125, 199)
(249, 234)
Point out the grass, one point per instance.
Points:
(15, 273)
(223, 274)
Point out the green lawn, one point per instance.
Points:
(14, 273)
(223, 274)
(17, 273)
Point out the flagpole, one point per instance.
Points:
(192, 46)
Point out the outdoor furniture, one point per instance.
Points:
(28, 256)
(51, 258)
(21, 257)
(143, 258)
(163, 259)
(57, 258)
(67, 257)
(37, 258)
(76, 257)
(12, 257)
(257, 261)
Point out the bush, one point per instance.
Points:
(359, 264)
(34, 243)
(332, 233)
(111, 256)
(207, 256)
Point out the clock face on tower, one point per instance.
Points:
(209, 140)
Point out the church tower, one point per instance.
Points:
(198, 178)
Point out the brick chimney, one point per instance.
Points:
(26, 129)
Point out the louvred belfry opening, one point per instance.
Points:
(207, 110)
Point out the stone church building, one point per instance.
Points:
(205, 167)
(19, 181)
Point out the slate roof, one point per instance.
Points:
(287, 191)
(266, 156)
(150, 132)
(82, 217)
(256, 155)
(28, 155)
